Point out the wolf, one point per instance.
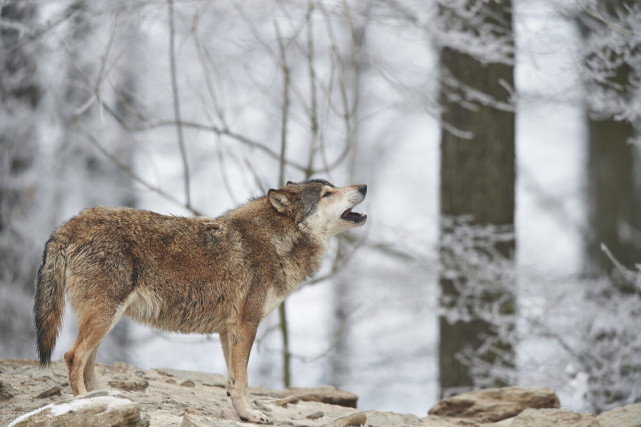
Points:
(190, 275)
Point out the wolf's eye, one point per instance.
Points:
(327, 194)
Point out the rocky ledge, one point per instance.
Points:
(30, 396)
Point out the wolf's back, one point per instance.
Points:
(49, 298)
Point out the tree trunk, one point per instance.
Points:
(613, 201)
(477, 198)
(614, 214)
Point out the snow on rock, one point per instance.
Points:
(100, 408)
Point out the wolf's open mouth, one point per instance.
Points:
(348, 215)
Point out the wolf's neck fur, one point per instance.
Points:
(279, 255)
(298, 255)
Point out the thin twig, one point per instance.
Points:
(613, 25)
(346, 112)
(629, 275)
(127, 170)
(285, 108)
(200, 126)
(207, 73)
(176, 102)
(282, 313)
(313, 115)
(356, 41)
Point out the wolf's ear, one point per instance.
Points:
(281, 201)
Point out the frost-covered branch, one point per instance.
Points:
(633, 277)
(478, 302)
(468, 26)
(612, 59)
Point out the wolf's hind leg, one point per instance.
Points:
(89, 373)
(80, 358)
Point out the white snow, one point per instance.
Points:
(56, 409)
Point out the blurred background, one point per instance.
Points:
(499, 141)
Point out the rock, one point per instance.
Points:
(324, 394)
(192, 421)
(554, 417)
(164, 372)
(381, 418)
(354, 419)
(628, 416)
(53, 391)
(91, 409)
(153, 401)
(6, 391)
(129, 385)
(495, 404)
(315, 415)
(285, 402)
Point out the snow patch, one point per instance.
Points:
(56, 409)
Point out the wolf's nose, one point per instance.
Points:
(363, 189)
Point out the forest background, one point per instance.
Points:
(499, 140)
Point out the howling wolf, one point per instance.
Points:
(201, 275)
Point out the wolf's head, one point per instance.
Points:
(318, 207)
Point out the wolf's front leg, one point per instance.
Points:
(242, 339)
(224, 341)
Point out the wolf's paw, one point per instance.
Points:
(255, 417)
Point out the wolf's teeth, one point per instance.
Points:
(363, 213)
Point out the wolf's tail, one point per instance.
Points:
(49, 302)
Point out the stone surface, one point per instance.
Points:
(53, 391)
(168, 397)
(193, 421)
(354, 419)
(7, 392)
(495, 404)
(92, 409)
(553, 417)
(191, 398)
(628, 416)
(324, 394)
(129, 385)
(315, 415)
